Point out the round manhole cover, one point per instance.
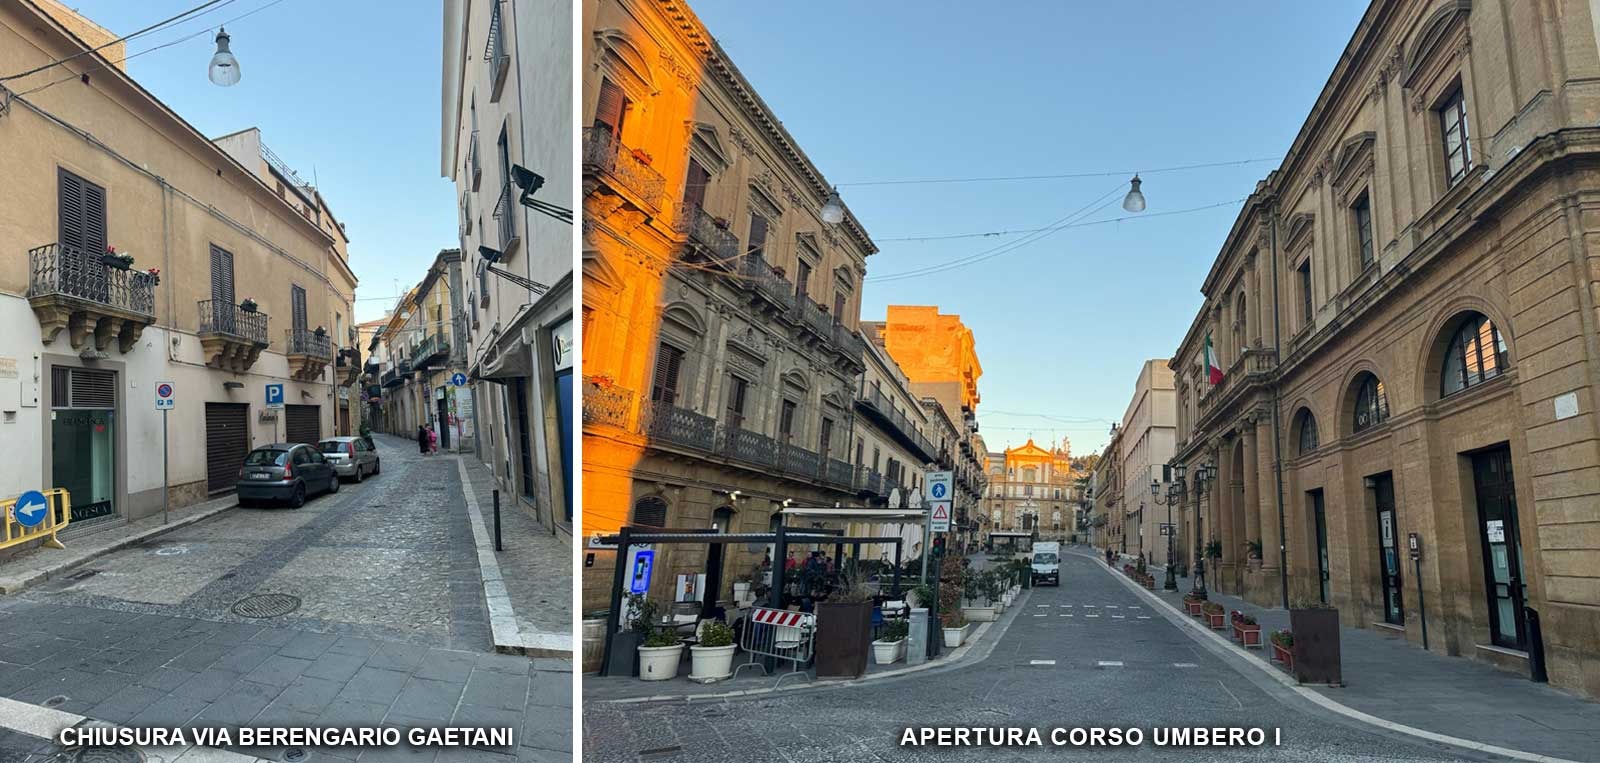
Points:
(109, 755)
(294, 754)
(266, 605)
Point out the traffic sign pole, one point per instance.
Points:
(166, 399)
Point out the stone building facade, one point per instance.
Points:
(228, 275)
(1030, 488)
(1147, 435)
(721, 353)
(1406, 322)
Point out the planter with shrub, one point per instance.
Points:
(1215, 615)
(891, 643)
(711, 660)
(1246, 630)
(1283, 649)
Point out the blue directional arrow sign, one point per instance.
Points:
(459, 379)
(30, 508)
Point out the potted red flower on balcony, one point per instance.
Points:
(112, 258)
(248, 305)
(642, 156)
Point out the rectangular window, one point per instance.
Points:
(610, 110)
(297, 307)
(802, 278)
(669, 365)
(786, 420)
(1453, 127)
(1304, 273)
(1363, 216)
(758, 234)
(694, 186)
(824, 445)
(738, 389)
(82, 215)
(838, 306)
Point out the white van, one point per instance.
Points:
(1047, 562)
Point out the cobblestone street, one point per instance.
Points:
(388, 625)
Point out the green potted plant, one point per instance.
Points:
(660, 651)
(1214, 550)
(975, 587)
(113, 259)
(844, 627)
(955, 628)
(1246, 630)
(711, 660)
(741, 586)
(1283, 649)
(1215, 615)
(891, 643)
(1192, 602)
(248, 305)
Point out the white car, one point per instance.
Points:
(350, 457)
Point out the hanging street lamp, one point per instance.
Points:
(224, 69)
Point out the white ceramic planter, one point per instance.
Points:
(953, 637)
(709, 664)
(741, 591)
(979, 614)
(888, 652)
(659, 663)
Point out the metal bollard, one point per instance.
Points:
(1535, 647)
(497, 545)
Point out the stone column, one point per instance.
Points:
(1267, 508)
(1252, 485)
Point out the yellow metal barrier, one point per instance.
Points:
(55, 519)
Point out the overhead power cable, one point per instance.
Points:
(1064, 176)
(124, 38)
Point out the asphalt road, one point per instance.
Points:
(1089, 653)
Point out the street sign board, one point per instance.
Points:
(459, 379)
(1415, 545)
(30, 508)
(165, 399)
(274, 395)
(1166, 529)
(640, 568)
(940, 518)
(939, 486)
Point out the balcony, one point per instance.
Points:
(433, 349)
(682, 427)
(308, 353)
(392, 378)
(752, 448)
(505, 216)
(869, 483)
(849, 345)
(764, 282)
(605, 404)
(350, 357)
(838, 473)
(623, 170)
(70, 289)
(705, 238)
(496, 54)
(474, 163)
(230, 337)
(813, 317)
(877, 407)
(1250, 371)
(799, 461)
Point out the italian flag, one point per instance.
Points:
(1213, 368)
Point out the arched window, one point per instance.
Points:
(650, 511)
(1476, 354)
(1372, 405)
(1308, 432)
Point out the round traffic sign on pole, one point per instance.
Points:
(30, 508)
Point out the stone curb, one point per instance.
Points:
(1222, 644)
(508, 635)
(957, 655)
(13, 584)
(47, 723)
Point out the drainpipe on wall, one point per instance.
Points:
(1277, 439)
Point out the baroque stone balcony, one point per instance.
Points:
(1252, 369)
(706, 237)
(231, 337)
(77, 291)
(685, 430)
(308, 353)
(606, 404)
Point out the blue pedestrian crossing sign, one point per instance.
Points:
(30, 508)
(274, 395)
(459, 379)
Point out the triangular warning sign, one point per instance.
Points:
(940, 512)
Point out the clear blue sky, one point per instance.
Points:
(349, 88)
(897, 90)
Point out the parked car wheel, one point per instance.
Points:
(333, 483)
(298, 497)
(377, 465)
(361, 474)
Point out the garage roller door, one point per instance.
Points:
(302, 423)
(227, 442)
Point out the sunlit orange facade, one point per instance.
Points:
(721, 353)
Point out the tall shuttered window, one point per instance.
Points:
(297, 306)
(1362, 212)
(611, 109)
(1453, 128)
(758, 234)
(738, 390)
(669, 366)
(786, 420)
(82, 215)
(694, 186)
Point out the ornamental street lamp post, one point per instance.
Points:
(1202, 478)
(1175, 492)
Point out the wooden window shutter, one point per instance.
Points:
(694, 189)
(82, 214)
(221, 277)
(669, 362)
(297, 299)
(758, 234)
(608, 112)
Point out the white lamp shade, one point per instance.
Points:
(224, 69)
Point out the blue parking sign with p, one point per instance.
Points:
(274, 395)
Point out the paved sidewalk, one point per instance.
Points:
(535, 568)
(1390, 679)
(37, 564)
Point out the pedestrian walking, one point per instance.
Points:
(422, 439)
(433, 440)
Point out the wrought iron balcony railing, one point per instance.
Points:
(431, 348)
(681, 426)
(848, 343)
(392, 378)
(718, 243)
(878, 404)
(869, 482)
(741, 444)
(496, 54)
(231, 320)
(764, 280)
(307, 342)
(60, 269)
(505, 216)
(604, 403)
(602, 152)
(813, 316)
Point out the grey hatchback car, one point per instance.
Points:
(350, 457)
(285, 471)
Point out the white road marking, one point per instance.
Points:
(1042, 605)
(1111, 606)
(1071, 615)
(1117, 617)
(1110, 663)
(1144, 617)
(1089, 606)
(1184, 665)
(1041, 615)
(1133, 606)
(1041, 662)
(1065, 606)
(1091, 615)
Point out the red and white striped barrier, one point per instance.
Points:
(779, 617)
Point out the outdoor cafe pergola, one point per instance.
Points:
(781, 538)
